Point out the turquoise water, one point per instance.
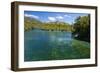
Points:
(41, 45)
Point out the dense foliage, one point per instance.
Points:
(31, 23)
(81, 28)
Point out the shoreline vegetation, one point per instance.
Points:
(80, 28)
(64, 45)
(58, 26)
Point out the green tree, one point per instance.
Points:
(81, 28)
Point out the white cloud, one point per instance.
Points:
(60, 17)
(32, 16)
(67, 16)
(52, 18)
(56, 18)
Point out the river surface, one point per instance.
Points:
(39, 44)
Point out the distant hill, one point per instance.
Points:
(32, 23)
(31, 20)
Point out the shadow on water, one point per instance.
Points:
(48, 45)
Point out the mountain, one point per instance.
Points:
(30, 22)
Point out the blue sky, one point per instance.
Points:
(53, 16)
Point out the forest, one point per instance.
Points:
(80, 28)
